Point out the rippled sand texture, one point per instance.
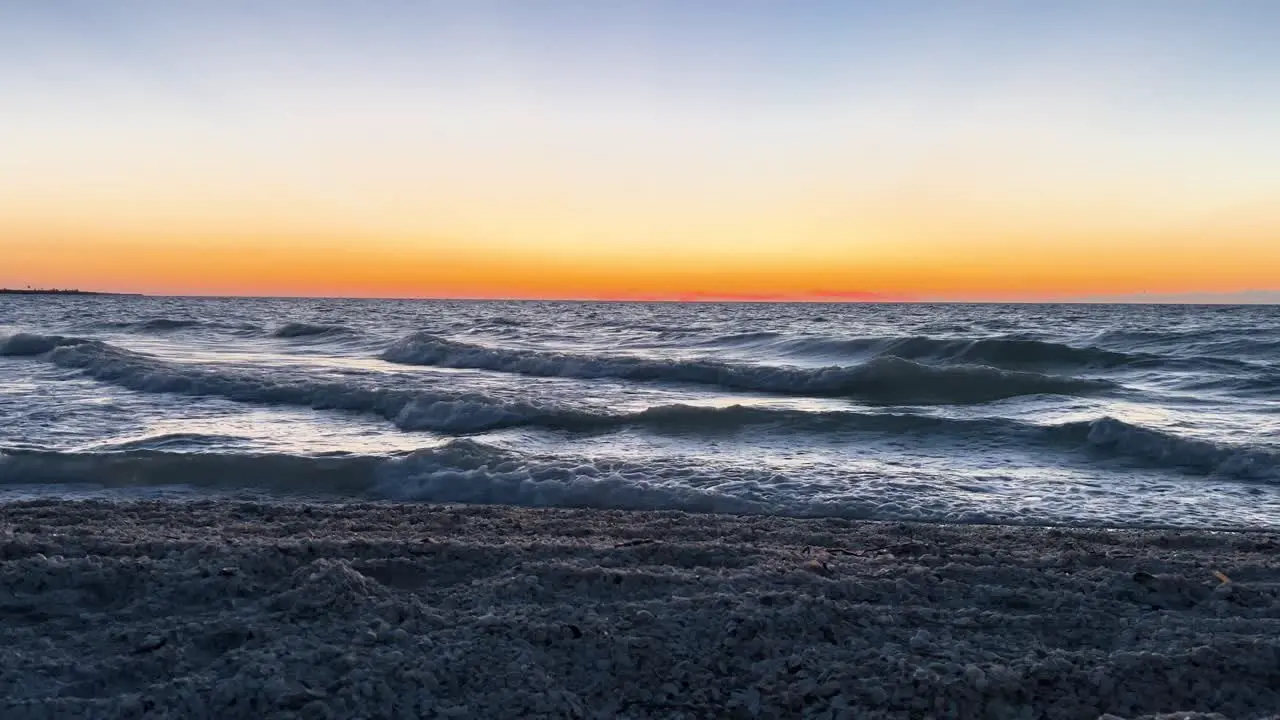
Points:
(239, 610)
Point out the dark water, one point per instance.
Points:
(1078, 414)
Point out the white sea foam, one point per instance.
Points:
(468, 471)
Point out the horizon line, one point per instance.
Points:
(1135, 299)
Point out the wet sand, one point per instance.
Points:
(244, 610)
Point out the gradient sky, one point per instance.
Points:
(541, 148)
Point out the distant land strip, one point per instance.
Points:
(41, 291)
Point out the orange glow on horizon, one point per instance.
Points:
(998, 269)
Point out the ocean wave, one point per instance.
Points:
(1106, 435)
(29, 344)
(165, 324)
(1009, 352)
(467, 471)
(1224, 343)
(265, 472)
(178, 441)
(501, 321)
(300, 330)
(440, 409)
(886, 380)
(464, 471)
(708, 419)
(459, 471)
(162, 324)
(1164, 449)
(1256, 381)
(419, 409)
(409, 409)
(1144, 338)
(759, 337)
(1002, 352)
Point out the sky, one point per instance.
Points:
(702, 149)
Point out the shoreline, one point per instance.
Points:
(242, 609)
(70, 293)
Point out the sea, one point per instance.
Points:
(1077, 415)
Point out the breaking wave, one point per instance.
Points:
(421, 409)
(886, 380)
(1158, 448)
(466, 471)
(27, 344)
(459, 471)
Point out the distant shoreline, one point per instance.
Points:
(11, 291)
(1258, 299)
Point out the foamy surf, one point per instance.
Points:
(468, 471)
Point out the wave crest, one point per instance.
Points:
(459, 471)
(1163, 449)
(28, 344)
(885, 380)
(421, 409)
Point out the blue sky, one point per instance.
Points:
(915, 146)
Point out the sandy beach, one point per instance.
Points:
(246, 610)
